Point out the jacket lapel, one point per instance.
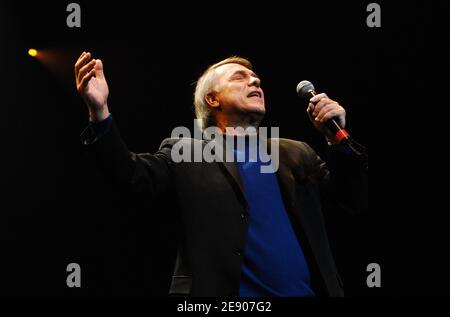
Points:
(287, 184)
(231, 169)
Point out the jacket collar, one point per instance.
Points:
(284, 174)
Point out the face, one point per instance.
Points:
(237, 90)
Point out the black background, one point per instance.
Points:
(55, 209)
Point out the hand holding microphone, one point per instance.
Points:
(327, 115)
(329, 118)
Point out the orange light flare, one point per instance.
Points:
(58, 61)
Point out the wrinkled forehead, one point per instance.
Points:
(231, 68)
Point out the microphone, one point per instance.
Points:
(305, 90)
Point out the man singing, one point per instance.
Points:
(243, 232)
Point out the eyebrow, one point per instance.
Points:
(243, 72)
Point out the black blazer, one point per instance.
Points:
(212, 208)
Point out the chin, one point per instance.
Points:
(260, 109)
(253, 108)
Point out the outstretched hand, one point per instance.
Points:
(92, 85)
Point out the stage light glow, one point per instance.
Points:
(32, 52)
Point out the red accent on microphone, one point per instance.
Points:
(341, 134)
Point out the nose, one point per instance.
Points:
(254, 81)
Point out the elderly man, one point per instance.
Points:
(244, 233)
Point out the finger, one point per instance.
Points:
(84, 58)
(318, 107)
(81, 60)
(81, 55)
(331, 114)
(309, 111)
(98, 68)
(76, 67)
(86, 69)
(310, 108)
(86, 79)
(326, 108)
(317, 97)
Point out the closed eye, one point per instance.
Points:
(241, 74)
(238, 76)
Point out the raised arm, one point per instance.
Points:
(140, 172)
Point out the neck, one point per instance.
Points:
(248, 124)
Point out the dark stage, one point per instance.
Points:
(56, 209)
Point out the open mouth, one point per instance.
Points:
(255, 94)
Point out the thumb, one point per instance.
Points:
(310, 110)
(99, 69)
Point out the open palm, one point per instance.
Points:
(91, 83)
(96, 89)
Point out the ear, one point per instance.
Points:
(212, 100)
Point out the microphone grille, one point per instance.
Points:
(304, 88)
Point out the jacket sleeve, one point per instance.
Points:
(342, 177)
(150, 173)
